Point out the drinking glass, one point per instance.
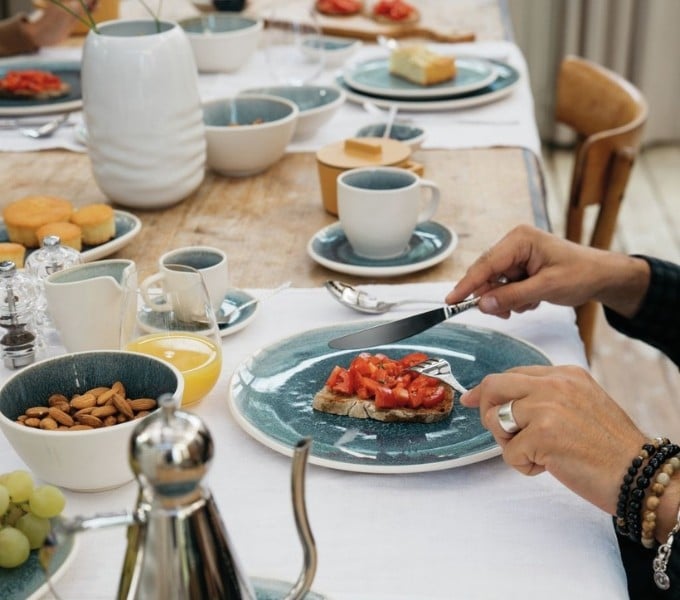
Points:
(177, 324)
(291, 45)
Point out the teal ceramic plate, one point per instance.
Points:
(127, 228)
(270, 395)
(430, 244)
(69, 72)
(238, 318)
(272, 589)
(27, 582)
(374, 77)
(505, 82)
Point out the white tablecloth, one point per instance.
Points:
(476, 532)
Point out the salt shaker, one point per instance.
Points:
(19, 294)
(52, 257)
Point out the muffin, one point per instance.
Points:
(23, 217)
(69, 234)
(97, 223)
(14, 252)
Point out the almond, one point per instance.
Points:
(57, 399)
(123, 406)
(32, 422)
(37, 411)
(110, 420)
(90, 420)
(80, 427)
(85, 401)
(48, 423)
(104, 411)
(143, 404)
(60, 416)
(104, 397)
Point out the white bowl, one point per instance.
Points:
(317, 104)
(249, 133)
(222, 42)
(336, 50)
(91, 460)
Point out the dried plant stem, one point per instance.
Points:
(87, 20)
(153, 15)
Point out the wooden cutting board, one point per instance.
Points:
(434, 23)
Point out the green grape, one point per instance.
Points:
(14, 548)
(46, 501)
(19, 484)
(4, 500)
(34, 528)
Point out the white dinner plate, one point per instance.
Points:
(127, 228)
(374, 77)
(430, 244)
(68, 71)
(506, 81)
(271, 394)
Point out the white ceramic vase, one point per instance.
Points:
(143, 114)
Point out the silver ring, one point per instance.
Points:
(506, 419)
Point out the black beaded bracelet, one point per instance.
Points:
(637, 495)
(648, 450)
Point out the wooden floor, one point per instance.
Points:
(640, 378)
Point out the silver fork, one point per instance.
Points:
(45, 130)
(439, 369)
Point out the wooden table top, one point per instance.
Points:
(264, 222)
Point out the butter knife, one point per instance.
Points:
(393, 331)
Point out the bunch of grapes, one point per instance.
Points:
(25, 513)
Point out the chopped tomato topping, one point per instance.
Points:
(33, 81)
(395, 10)
(339, 7)
(387, 381)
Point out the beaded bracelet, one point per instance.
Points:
(663, 555)
(648, 449)
(671, 466)
(634, 510)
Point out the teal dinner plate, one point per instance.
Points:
(507, 79)
(127, 228)
(152, 321)
(27, 582)
(272, 589)
(271, 393)
(69, 72)
(374, 77)
(429, 245)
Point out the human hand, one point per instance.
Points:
(542, 266)
(568, 426)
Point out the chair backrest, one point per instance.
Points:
(608, 113)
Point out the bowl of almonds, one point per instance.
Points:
(70, 418)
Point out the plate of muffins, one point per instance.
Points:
(95, 230)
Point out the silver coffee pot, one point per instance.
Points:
(178, 547)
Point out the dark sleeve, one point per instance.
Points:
(637, 562)
(658, 320)
(13, 38)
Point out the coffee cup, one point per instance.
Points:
(86, 303)
(210, 262)
(379, 208)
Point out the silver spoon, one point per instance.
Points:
(45, 130)
(363, 302)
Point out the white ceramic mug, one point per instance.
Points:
(210, 262)
(86, 303)
(379, 208)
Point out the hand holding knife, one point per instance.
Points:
(386, 333)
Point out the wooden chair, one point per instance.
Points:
(608, 114)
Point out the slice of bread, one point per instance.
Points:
(420, 65)
(352, 406)
(32, 84)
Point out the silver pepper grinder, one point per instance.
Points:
(18, 296)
